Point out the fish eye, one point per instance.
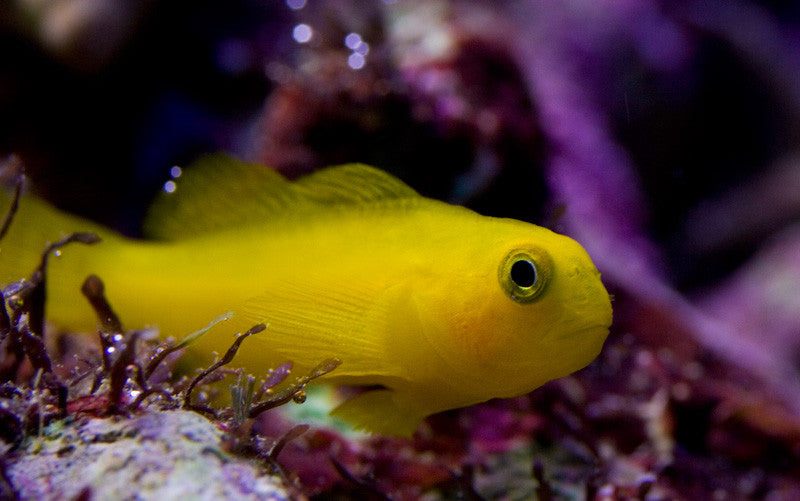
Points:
(524, 274)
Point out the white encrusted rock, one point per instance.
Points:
(152, 455)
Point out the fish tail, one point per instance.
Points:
(35, 226)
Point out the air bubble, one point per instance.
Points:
(352, 40)
(362, 48)
(302, 33)
(356, 61)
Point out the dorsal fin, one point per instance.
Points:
(215, 193)
(352, 184)
(219, 192)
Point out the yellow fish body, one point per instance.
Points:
(432, 304)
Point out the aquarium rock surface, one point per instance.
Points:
(153, 455)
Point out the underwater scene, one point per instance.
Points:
(400, 250)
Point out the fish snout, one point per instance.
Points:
(588, 311)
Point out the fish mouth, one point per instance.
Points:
(594, 316)
(586, 332)
(604, 327)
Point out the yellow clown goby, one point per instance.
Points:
(430, 305)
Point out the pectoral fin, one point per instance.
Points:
(380, 411)
(348, 323)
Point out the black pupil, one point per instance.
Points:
(523, 273)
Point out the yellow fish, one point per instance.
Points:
(430, 306)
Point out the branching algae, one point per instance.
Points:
(428, 306)
(36, 395)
